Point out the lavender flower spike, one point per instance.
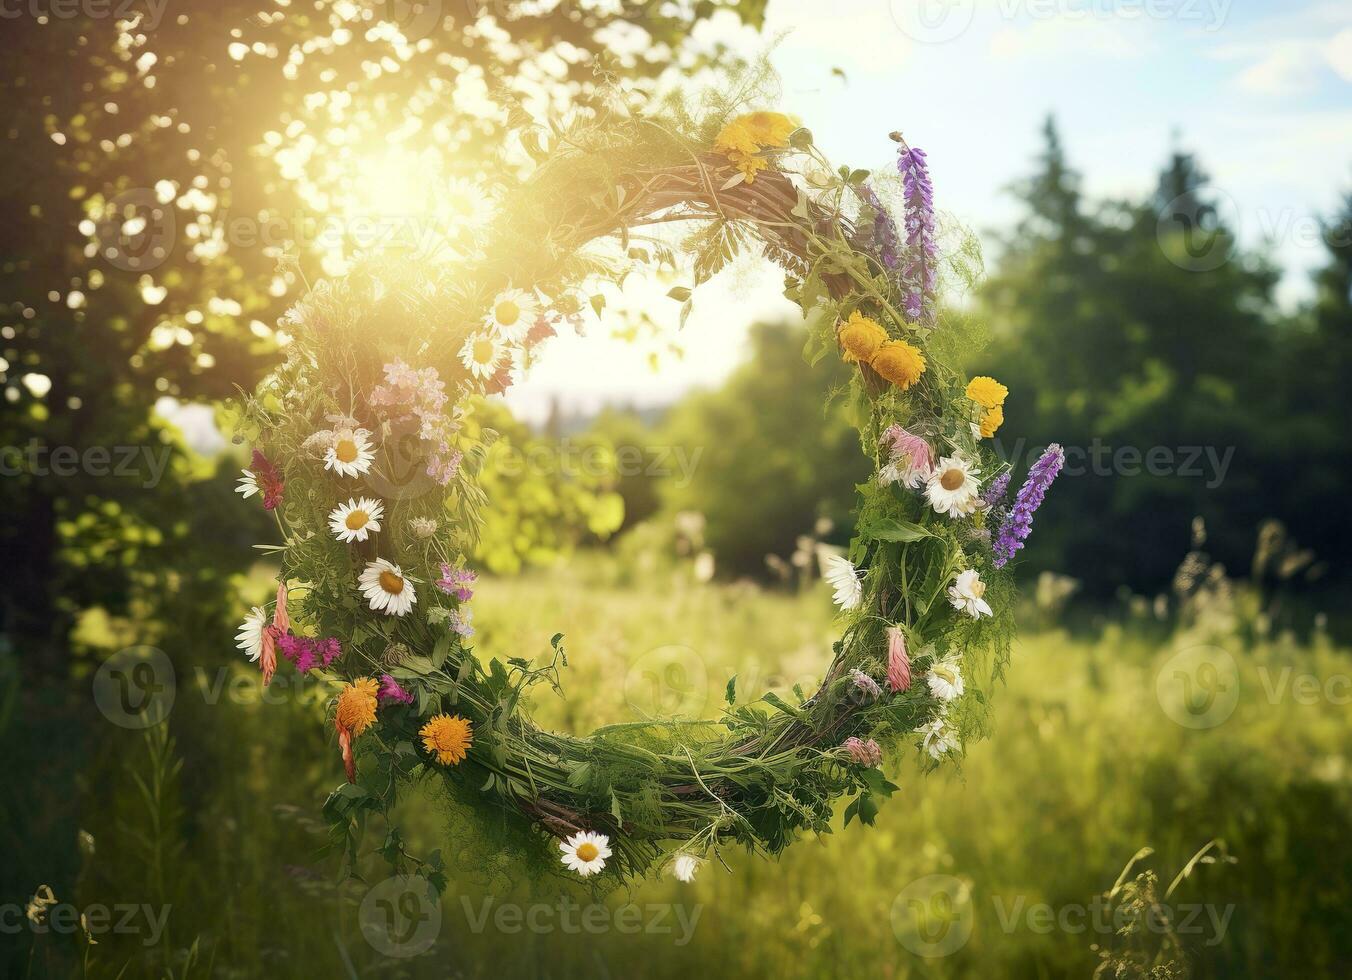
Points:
(919, 275)
(1018, 523)
(995, 493)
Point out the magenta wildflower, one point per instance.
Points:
(391, 693)
(864, 753)
(308, 653)
(898, 663)
(269, 480)
(1018, 523)
(457, 581)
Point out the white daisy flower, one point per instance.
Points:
(585, 852)
(513, 314)
(939, 739)
(385, 588)
(844, 578)
(953, 488)
(356, 519)
(482, 354)
(945, 680)
(966, 593)
(250, 636)
(350, 453)
(685, 867)
(247, 485)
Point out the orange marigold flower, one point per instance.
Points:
(861, 337)
(743, 138)
(987, 392)
(991, 419)
(448, 737)
(899, 363)
(356, 709)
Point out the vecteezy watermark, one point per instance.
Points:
(1200, 231)
(1099, 458)
(938, 21)
(571, 918)
(41, 460)
(568, 458)
(1101, 917)
(935, 916)
(1305, 689)
(402, 916)
(96, 919)
(151, 10)
(1198, 687)
(135, 687)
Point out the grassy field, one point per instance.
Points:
(1139, 734)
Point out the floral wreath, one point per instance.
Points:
(361, 452)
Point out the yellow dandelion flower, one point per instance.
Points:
(448, 737)
(899, 363)
(861, 337)
(991, 419)
(356, 709)
(743, 138)
(987, 392)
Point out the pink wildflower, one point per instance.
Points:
(898, 663)
(391, 693)
(864, 753)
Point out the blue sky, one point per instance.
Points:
(1260, 90)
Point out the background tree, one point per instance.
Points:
(156, 166)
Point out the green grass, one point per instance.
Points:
(1085, 768)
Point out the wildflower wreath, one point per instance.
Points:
(361, 452)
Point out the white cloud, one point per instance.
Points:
(1284, 68)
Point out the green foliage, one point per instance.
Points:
(770, 462)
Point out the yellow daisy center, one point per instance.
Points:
(587, 851)
(507, 312)
(345, 451)
(483, 352)
(356, 520)
(391, 583)
(952, 479)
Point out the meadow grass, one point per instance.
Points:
(1086, 767)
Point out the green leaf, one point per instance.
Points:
(774, 699)
(442, 649)
(892, 529)
(681, 293)
(730, 695)
(615, 808)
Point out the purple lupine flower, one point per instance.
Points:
(919, 274)
(1018, 523)
(391, 693)
(995, 493)
(884, 231)
(457, 581)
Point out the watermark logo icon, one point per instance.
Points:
(1198, 687)
(668, 682)
(416, 19)
(401, 916)
(136, 232)
(135, 687)
(1199, 235)
(933, 916)
(933, 21)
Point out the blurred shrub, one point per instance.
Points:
(545, 496)
(774, 454)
